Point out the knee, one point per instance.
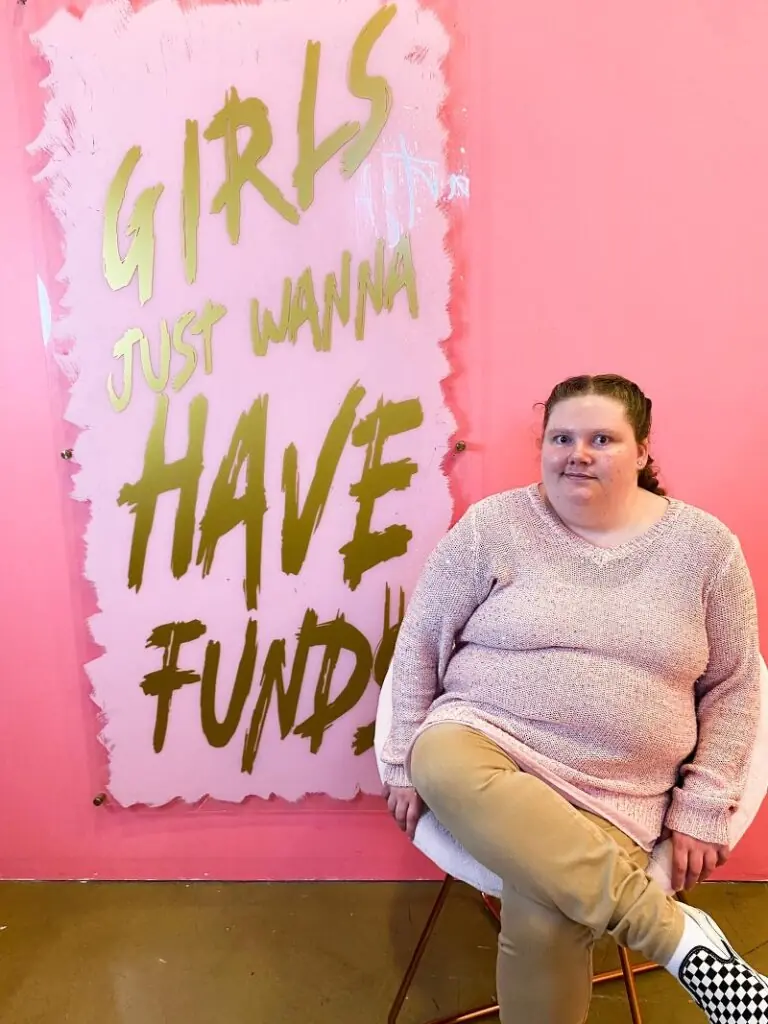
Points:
(540, 930)
(436, 762)
(524, 922)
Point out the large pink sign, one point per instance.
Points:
(251, 203)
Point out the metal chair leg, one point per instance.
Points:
(631, 987)
(628, 972)
(418, 953)
(600, 979)
(493, 905)
(481, 1013)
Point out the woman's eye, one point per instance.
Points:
(602, 439)
(561, 439)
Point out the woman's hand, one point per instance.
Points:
(406, 806)
(693, 861)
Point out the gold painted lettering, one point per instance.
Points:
(140, 258)
(157, 381)
(379, 283)
(335, 636)
(161, 477)
(367, 549)
(402, 274)
(304, 310)
(363, 739)
(243, 168)
(190, 200)
(219, 733)
(386, 647)
(368, 87)
(269, 331)
(211, 315)
(165, 681)
(189, 352)
(312, 157)
(123, 349)
(300, 526)
(272, 679)
(176, 340)
(369, 285)
(225, 511)
(336, 300)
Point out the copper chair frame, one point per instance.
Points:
(627, 972)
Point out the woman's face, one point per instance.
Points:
(589, 451)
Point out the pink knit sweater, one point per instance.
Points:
(626, 678)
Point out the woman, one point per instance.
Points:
(578, 674)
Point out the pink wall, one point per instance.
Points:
(619, 160)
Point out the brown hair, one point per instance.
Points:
(637, 407)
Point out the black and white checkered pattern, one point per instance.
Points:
(727, 990)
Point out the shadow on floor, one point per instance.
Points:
(322, 953)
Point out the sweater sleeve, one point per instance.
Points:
(445, 597)
(728, 710)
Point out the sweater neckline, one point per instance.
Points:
(586, 547)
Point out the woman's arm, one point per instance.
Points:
(728, 710)
(445, 597)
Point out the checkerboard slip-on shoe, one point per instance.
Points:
(726, 988)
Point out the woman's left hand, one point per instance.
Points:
(693, 861)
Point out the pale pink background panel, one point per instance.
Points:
(120, 78)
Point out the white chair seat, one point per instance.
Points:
(437, 843)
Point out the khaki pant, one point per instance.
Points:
(569, 877)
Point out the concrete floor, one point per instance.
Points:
(207, 953)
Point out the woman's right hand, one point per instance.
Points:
(406, 806)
